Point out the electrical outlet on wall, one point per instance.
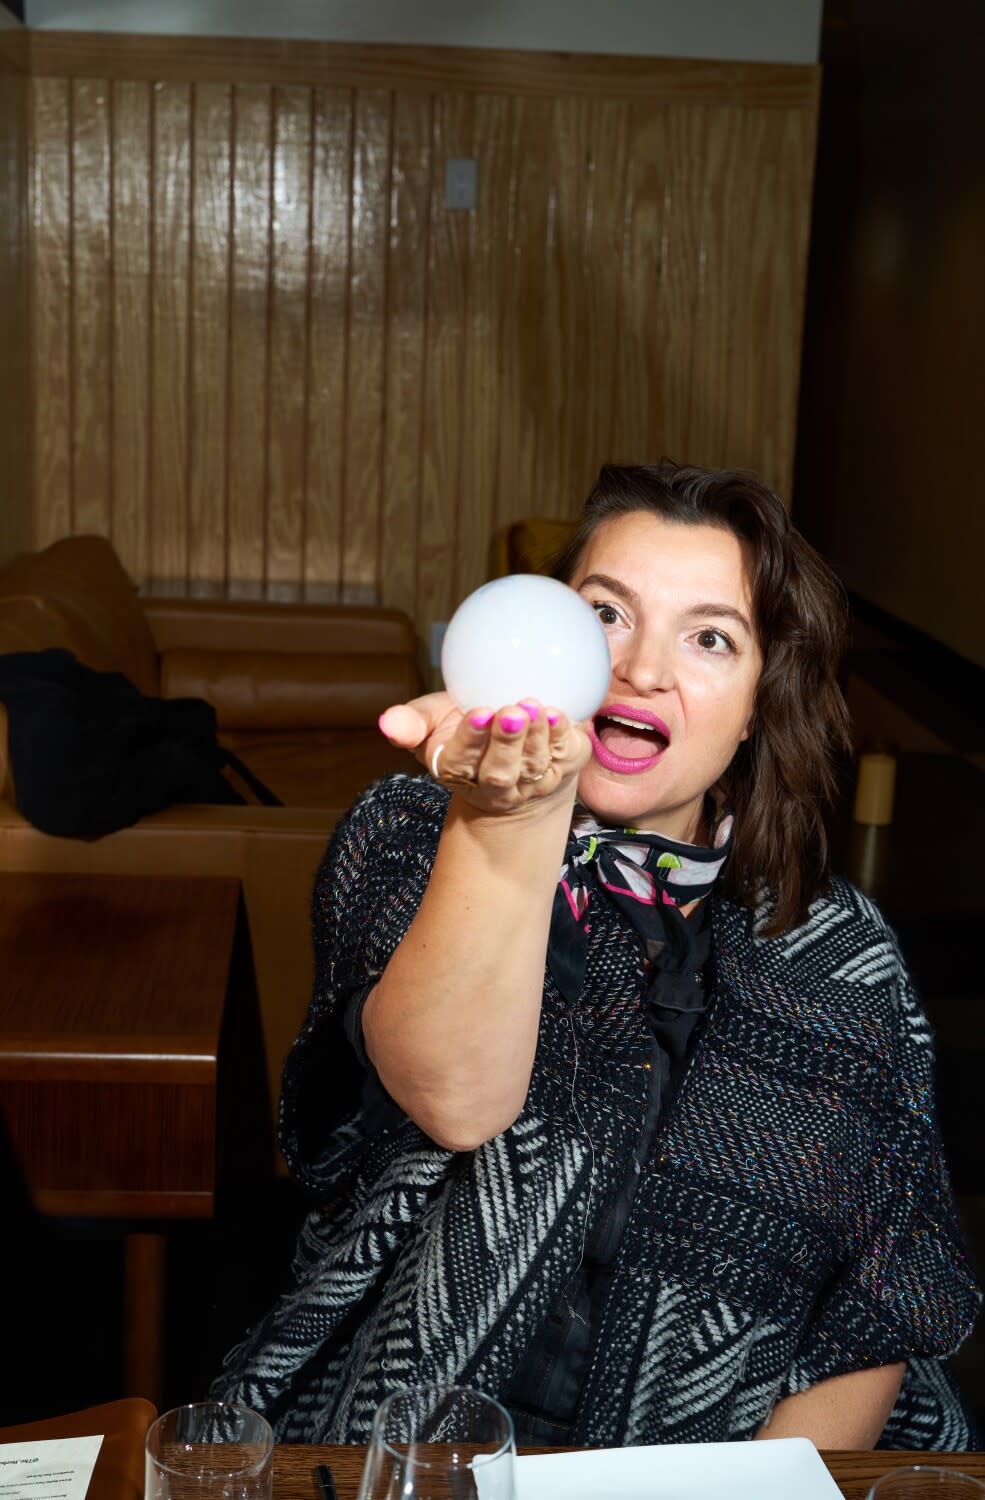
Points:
(461, 182)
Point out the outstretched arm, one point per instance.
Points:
(451, 1027)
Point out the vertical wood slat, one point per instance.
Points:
(366, 351)
(288, 357)
(16, 518)
(482, 383)
(249, 353)
(441, 435)
(211, 150)
(608, 321)
(407, 323)
(171, 124)
(523, 314)
(707, 427)
(91, 308)
(130, 148)
(51, 239)
(331, 219)
(298, 365)
(566, 281)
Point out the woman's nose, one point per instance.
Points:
(645, 666)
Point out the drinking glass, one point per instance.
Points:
(210, 1450)
(924, 1482)
(440, 1442)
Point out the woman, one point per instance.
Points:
(648, 1152)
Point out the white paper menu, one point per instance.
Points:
(57, 1469)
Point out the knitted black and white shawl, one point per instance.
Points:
(794, 1221)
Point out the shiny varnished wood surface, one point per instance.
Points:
(854, 1473)
(431, 69)
(266, 352)
(114, 994)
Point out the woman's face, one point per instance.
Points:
(676, 604)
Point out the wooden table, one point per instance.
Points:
(114, 997)
(852, 1472)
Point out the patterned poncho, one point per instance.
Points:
(794, 1220)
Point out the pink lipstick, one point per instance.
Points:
(632, 719)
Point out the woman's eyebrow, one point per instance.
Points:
(721, 611)
(623, 591)
(612, 585)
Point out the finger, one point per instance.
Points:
(503, 760)
(536, 754)
(569, 744)
(558, 727)
(458, 755)
(410, 724)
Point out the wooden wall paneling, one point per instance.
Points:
(367, 343)
(331, 219)
(608, 322)
(755, 214)
(749, 237)
(562, 290)
(676, 166)
(208, 334)
(478, 70)
(91, 437)
(523, 314)
(130, 149)
(248, 339)
(482, 384)
(796, 192)
(717, 164)
(16, 510)
(407, 322)
(442, 436)
(51, 342)
(287, 359)
(786, 290)
(167, 520)
(641, 402)
(289, 310)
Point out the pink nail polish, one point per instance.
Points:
(531, 710)
(552, 719)
(512, 725)
(480, 720)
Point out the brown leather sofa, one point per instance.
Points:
(297, 691)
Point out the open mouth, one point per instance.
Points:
(628, 740)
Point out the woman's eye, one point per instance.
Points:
(715, 642)
(606, 613)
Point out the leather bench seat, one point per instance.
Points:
(297, 691)
(330, 769)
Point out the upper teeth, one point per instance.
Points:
(633, 723)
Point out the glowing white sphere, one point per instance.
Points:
(526, 636)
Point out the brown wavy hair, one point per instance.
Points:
(784, 777)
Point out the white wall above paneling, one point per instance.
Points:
(749, 31)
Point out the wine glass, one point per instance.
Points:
(924, 1482)
(440, 1442)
